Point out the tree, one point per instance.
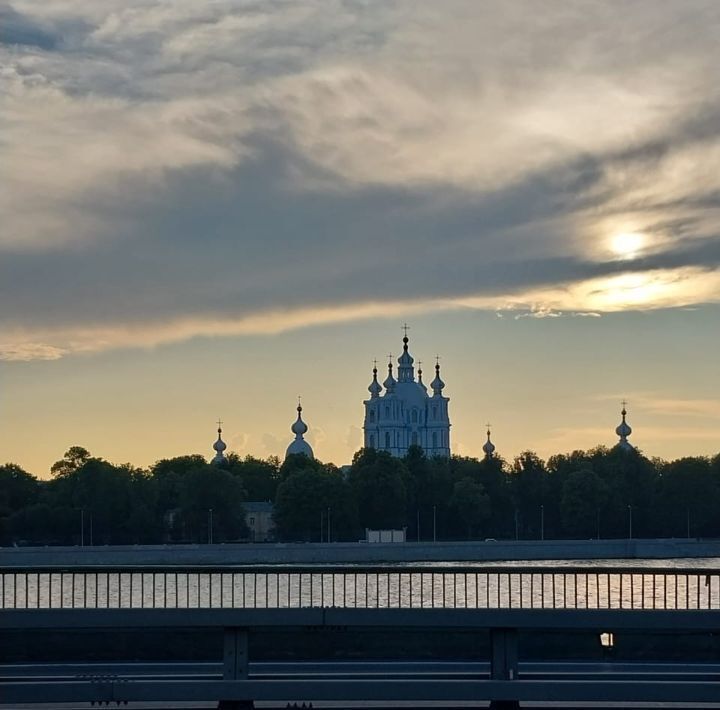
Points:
(584, 495)
(72, 460)
(307, 498)
(529, 481)
(211, 488)
(18, 488)
(259, 478)
(377, 482)
(470, 503)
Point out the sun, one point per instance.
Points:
(627, 245)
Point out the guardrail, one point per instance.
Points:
(238, 684)
(409, 587)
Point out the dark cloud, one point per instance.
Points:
(16, 29)
(201, 162)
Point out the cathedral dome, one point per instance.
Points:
(623, 430)
(219, 447)
(299, 445)
(488, 446)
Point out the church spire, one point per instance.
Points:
(437, 384)
(488, 446)
(374, 387)
(390, 381)
(420, 382)
(624, 430)
(219, 446)
(299, 428)
(406, 372)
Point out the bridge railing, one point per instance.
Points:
(366, 587)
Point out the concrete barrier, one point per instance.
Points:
(348, 553)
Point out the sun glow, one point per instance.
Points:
(627, 245)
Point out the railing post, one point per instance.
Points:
(504, 662)
(235, 665)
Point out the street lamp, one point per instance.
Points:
(418, 524)
(82, 528)
(434, 523)
(688, 523)
(517, 526)
(329, 511)
(210, 526)
(630, 521)
(542, 522)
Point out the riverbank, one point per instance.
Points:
(360, 553)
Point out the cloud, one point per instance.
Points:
(173, 170)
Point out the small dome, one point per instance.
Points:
(299, 427)
(299, 445)
(374, 388)
(623, 430)
(406, 359)
(390, 381)
(488, 446)
(420, 380)
(437, 384)
(219, 446)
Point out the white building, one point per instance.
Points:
(405, 414)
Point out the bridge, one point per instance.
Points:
(496, 606)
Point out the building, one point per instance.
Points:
(299, 445)
(623, 431)
(259, 520)
(404, 414)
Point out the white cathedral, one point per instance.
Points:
(405, 414)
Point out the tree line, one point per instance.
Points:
(600, 493)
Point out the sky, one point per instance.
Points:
(208, 209)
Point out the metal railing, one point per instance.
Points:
(368, 587)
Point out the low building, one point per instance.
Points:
(259, 520)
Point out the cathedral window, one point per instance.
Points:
(414, 438)
(371, 415)
(435, 412)
(372, 441)
(387, 412)
(434, 440)
(414, 416)
(387, 439)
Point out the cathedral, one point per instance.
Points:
(401, 413)
(405, 414)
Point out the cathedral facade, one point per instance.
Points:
(401, 413)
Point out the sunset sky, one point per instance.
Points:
(210, 208)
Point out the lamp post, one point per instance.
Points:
(542, 522)
(630, 522)
(434, 523)
(517, 526)
(82, 527)
(418, 524)
(322, 524)
(210, 526)
(688, 523)
(329, 511)
(598, 523)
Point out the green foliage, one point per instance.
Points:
(470, 503)
(310, 497)
(377, 482)
(583, 494)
